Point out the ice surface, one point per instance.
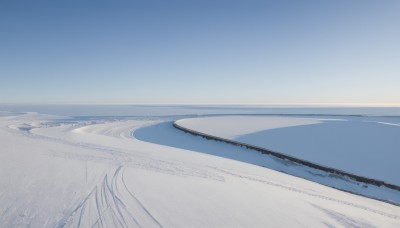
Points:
(61, 172)
(364, 146)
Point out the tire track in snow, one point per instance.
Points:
(112, 204)
(139, 202)
(396, 217)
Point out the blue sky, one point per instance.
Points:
(200, 52)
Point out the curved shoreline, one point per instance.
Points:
(283, 156)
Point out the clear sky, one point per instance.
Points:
(199, 51)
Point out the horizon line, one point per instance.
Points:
(347, 104)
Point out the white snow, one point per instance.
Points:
(233, 126)
(68, 173)
(363, 146)
(390, 124)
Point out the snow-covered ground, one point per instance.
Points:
(366, 146)
(65, 172)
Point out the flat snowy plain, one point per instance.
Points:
(59, 171)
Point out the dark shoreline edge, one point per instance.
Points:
(283, 156)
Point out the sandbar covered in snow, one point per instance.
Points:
(365, 146)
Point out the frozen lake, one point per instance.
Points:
(366, 146)
(169, 110)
